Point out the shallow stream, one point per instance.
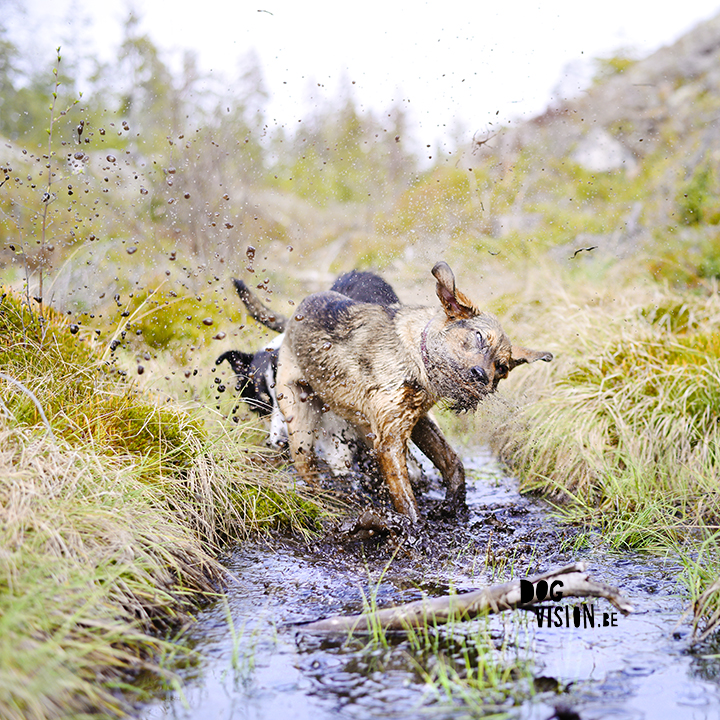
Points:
(256, 662)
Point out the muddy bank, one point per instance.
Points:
(256, 662)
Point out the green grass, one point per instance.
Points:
(629, 428)
(487, 672)
(110, 523)
(623, 427)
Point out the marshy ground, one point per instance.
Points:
(130, 481)
(256, 660)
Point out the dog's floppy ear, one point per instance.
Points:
(521, 355)
(239, 361)
(456, 305)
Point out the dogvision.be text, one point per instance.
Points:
(562, 616)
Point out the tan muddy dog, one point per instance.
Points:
(383, 369)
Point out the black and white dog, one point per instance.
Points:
(339, 442)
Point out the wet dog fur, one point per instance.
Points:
(337, 440)
(255, 371)
(382, 368)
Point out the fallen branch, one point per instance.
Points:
(494, 599)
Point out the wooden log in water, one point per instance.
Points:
(457, 608)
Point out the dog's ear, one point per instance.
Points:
(521, 355)
(456, 305)
(239, 361)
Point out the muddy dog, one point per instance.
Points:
(255, 371)
(338, 442)
(382, 368)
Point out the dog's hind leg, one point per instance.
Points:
(302, 412)
(427, 436)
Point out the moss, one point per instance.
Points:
(425, 206)
(83, 402)
(608, 67)
(687, 261)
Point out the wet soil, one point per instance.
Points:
(256, 661)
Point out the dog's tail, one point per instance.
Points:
(263, 314)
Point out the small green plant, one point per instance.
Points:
(608, 67)
(701, 575)
(49, 195)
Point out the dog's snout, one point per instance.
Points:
(479, 375)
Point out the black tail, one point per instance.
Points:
(263, 314)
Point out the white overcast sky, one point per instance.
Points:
(456, 64)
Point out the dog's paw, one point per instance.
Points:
(451, 509)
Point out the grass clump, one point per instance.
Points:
(83, 399)
(112, 512)
(485, 670)
(629, 430)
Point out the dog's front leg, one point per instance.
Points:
(302, 416)
(427, 436)
(391, 451)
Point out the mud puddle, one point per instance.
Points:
(256, 662)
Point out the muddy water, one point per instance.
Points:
(256, 662)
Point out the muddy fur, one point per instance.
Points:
(382, 368)
(255, 371)
(359, 285)
(337, 441)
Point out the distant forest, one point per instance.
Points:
(337, 153)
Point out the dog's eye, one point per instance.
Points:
(501, 371)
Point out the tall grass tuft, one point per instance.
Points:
(626, 427)
(110, 523)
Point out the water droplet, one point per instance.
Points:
(131, 250)
(326, 345)
(109, 158)
(250, 252)
(219, 336)
(140, 369)
(74, 329)
(299, 317)
(143, 191)
(207, 321)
